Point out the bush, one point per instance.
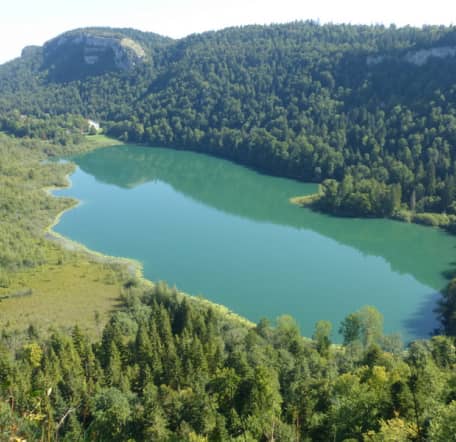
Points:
(432, 219)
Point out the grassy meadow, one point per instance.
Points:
(43, 282)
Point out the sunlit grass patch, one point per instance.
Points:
(69, 289)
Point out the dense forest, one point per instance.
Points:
(369, 108)
(370, 112)
(167, 369)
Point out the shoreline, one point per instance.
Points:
(134, 267)
(428, 219)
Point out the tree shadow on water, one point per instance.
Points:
(424, 322)
(451, 272)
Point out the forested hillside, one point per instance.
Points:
(368, 107)
(368, 111)
(166, 368)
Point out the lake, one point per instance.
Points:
(228, 233)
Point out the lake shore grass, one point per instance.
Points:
(134, 268)
(306, 200)
(76, 285)
(99, 141)
(68, 289)
(70, 285)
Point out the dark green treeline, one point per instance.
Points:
(168, 368)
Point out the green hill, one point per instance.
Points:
(371, 104)
(372, 109)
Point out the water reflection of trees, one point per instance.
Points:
(420, 251)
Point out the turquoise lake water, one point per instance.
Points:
(228, 233)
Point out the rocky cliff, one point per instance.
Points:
(418, 58)
(80, 53)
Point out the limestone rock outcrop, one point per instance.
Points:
(82, 52)
(419, 57)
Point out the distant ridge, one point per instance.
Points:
(372, 105)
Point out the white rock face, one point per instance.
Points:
(418, 58)
(126, 52)
(125, 55)
(421, 57)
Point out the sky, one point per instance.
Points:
(32, 22)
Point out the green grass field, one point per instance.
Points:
(60, 287)
(70, 289)
(100, 140)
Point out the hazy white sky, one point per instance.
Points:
(26, 22)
